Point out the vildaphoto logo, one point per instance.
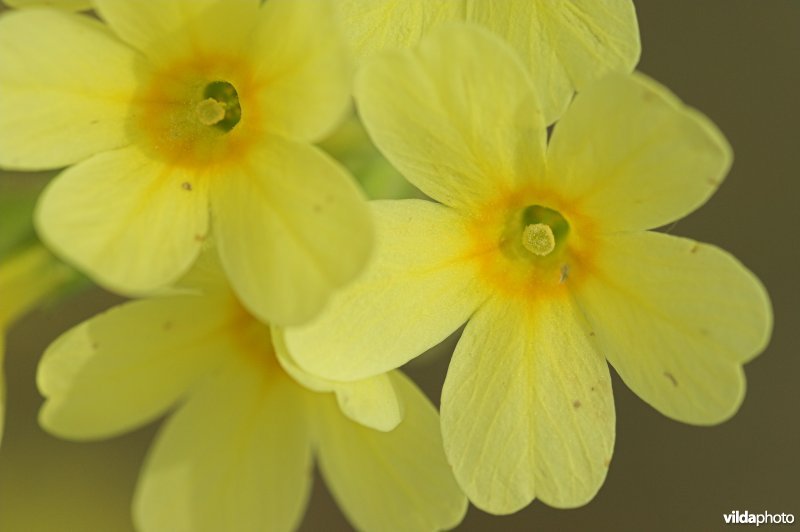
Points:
(764, 518)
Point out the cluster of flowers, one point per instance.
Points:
(274, 303)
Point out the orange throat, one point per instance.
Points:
(198, 112)
(531, 244)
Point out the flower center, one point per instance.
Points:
(210, 111)
(221, 107)
(538, 239)
(528, 251)
(190, 112)
(541, 231)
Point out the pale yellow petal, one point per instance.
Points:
(308, 380)
(292, 227)
(301, 61)
(73, 5)
(205, 277)
(66, 86)
(629, 154)
(236, 456)
(123, 368)
(565, 45)
(527, 408)
(456, 116)
(373, 26)
(677, 319)
(419, 288)
(373, 401)
(167, 29)
(389, 481)
(131, 223)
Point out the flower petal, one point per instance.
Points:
(375, 26)
(123, 368)
(236, 456)
(291, 227)
(453, 116)
(629, 153)
(373, 402)
(677, 319)
(420, 287)
(168, 29)
(131, 223)
(527, 408)
(67, 85)
(301, 60)
(565, 45)
(397, 480)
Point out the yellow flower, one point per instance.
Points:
(565, 45)
(541, 247)
(237, 452)
(27, 277)
(183, 119)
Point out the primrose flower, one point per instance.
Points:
(237, 452)
(565, 45)
(541, 248)
(181, 119)
(27, 277)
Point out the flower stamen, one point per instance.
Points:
(539, 239)
(210, 111)
(221, 97)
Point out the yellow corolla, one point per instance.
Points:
(565, 45)
(27, 276)
(237, 452)
(183, 119)
(541, 247)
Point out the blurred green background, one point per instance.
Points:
(736, 60)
